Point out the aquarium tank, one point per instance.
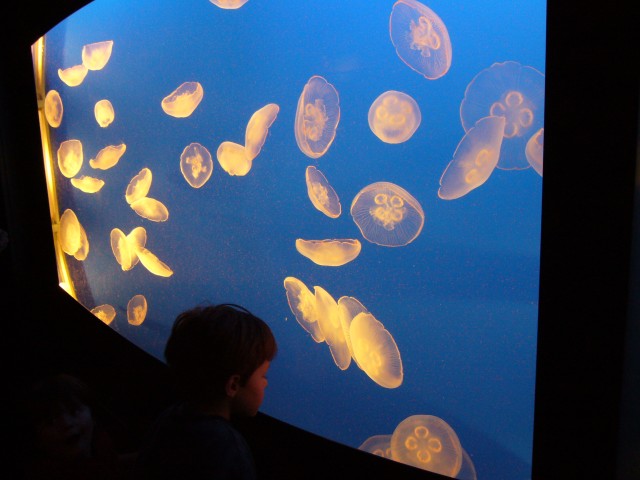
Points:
(366, 176)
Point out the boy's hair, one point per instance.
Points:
(209, 344)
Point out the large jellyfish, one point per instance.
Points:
(106, 313)
(474, 160)
(73, 76)
(515, 92)
(421, 38)
(96, 55)
(303, 305)
(229, 4)
(331, 327)
(183, 100)
(53, 108)
(196, 164)
(108, 157)
(330, 252)
(139, 186)
(104, 113)
(387, 214)
(394, 117)
(70, 157)
(535, 150)
(321, 193)
(87, 184)
(137, 310)
(317, 117)
(378, 445)
(258, 128)
(233, 158)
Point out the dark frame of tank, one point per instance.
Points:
(587, 380)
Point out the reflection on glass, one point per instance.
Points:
(104, 113)
(394, 117)
(70, 157)
(535, 149)
(53, 108)
(137, 310)
(321, 193)
(87, 184)
(182, 102)
(196, 165)
(73, 76)
(96, 55)
(106, 313)
(330, 252)
(108, 157)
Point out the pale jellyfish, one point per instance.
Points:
(233, 159)
(303, 305)
(421, 38)
(96, 55)
(87, 184)
(137, 310)
(183, 100)
(321, 193)
(53, 108)
(72, 236)
(122, 249)
(108, 157)
(317, 117)
(106, 313)
(137, 239)
(378, 445)
(394, 117)
(474, 160)
(196, 165)
(429, 443)
(512, 91)
(152, 263)
(139, 186)
(70, 157)
(258, 128)
(467, 469)
(535, 149)
(330, 252)
(331, 327)
(73, 76)
(375, 351)
(151, 209)
(348, 309)
(104, 113)
(387, 214)
(229, 4)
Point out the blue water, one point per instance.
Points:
(460, 301)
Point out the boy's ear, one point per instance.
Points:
(232, 386)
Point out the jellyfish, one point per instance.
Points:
(467, 469)
(474, 160)
(106, 313)
(229, 4)
(534, 150)
(104, 113)
(321, 193)
(137, 239)
(330, 252)
(303, 305)
(137, 310)
(70, 157)
(375, 351)
(151, 209)
(387, 214)
(108, 157)
(378, 445)
(512, 91)
(233, 159)
(122, 249)
(331, 327)
(53, 108)
(152, 263)
(394, 117)
(420, 38)
(73, 76)
(87, 184)
(183, 100)
(348, 308)
(258, 128)
(317, 117)
(72, 236)
(96, 55)
(429, 443)
(196, 165)
(139, 186)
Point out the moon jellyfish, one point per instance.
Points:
(233, 159)
(70, 157)
(321, 193)
(73, 76)
(429, 443)
(137, 239)
(467, 469)
(151, 209)
(317, 117)
(348, 309)
(73, 237)
(258, 128)
(329, 253)
(108, 157)
(196, 165)
(512, 91)
(474, 160)
(137, 310)
(331, 327)
(394, 117)
(378, 445)
(104, 113)
(303, 306)
(183, 100)
(139, 186)
(534, 150)
(87, 184)
(375, 351)
(96, 55)
(106, 313)
(387, 214)
(420, 38)
(152, 263)
(53, 108)
(229, 4)
(122, 249)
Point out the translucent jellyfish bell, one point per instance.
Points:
(182, 102)
(303, 305)
(233, 159)
(122, 249)
(104, 113)
(106, 313)
(96, 55)
(331, 327)
(229, 4)
(196, 165)
(151, 209)
(387, 214)
(73, 237)
(73, 76)
(317, 117)
(535, 149)
(139, 186)
(515, 92)
(321, 193)
(394, 117)
(474, 160)
(152, 263)
(258, 128)
(348, 309)
(70, 157)
(421, 38)
(378, 445)
(137, 310)
(87, 184)
(427, 442)
(467, 469)
(108, 157)
(53, 108)
(330, 252)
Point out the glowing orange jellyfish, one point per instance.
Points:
(53, 108)
(73, 76)
(72, 236)
(70, 157)
(317, 117)
(394, 117)
(303, 305)
(330, 252)
(106, 313)
(378, 445)
(87, 184)
(104, 113)
(535, 150)
(321, 193)
(137, 310)
(96, 55)
(182, 102)
(258, 128)
(139, 186)
(233, 158)
(151, 209)
(331, 327)
(229, 4)
(108, 157)
(196, 165)
(152, 263)
(348, 309)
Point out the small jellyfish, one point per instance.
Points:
(535, 149)
(317, 117)
(53, 108)
(151, 209)
(420, 38)
(378, 445)
(87, 184)
(137, 310)
(96, 55)
(104, 113)
(321, 193)
(429, 443)
(108, 157)
(233, 159)
(512, 91)
(70, 157)
(122, 249)
(394, 117)
(73, 76)
(229, 4)
(387, 214)
(375, 351)
(331, 327)
(106, 313)
(183, 100)
(474, 160)
(258, 128)
(139, 186)
(152, 263)
(303, 305)
(330, 252)
(196, 165)
(72, 236)
(348, 309)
